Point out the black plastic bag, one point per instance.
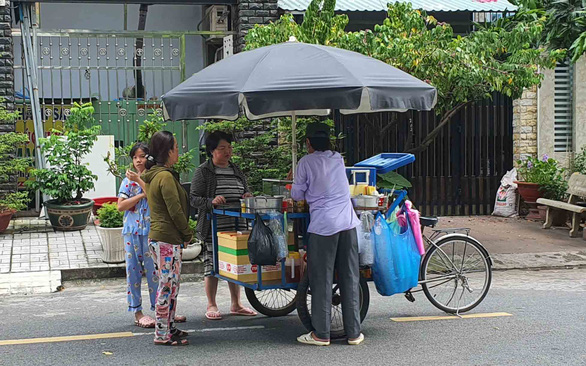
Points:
(262, 248)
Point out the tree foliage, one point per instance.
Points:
(122, 161)
(565, 23)
(503, 57)
(267, 154)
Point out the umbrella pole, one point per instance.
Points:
(294, 143)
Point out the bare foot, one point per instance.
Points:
(138, 315)
(241, 310)
(213, 308)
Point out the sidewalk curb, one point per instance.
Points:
(71, 274)
(539, 261)
(539, 268)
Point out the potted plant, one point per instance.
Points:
(10, 202)
(66, 179)
(194, 248)
(542, 178)
(109, 226)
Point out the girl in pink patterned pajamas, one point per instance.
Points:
(169, 233)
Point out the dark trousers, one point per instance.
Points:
(325, 254)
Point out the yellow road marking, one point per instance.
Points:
(66, 338)
(448, 317)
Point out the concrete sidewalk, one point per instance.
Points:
(34, 258)
(516, 243)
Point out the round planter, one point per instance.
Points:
(69, 217)
(529, 191)
(191, 252)
(98, 202)
(112, 244)
(5, 218)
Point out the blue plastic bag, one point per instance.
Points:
(396, 258)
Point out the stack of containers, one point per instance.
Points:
(233, 261)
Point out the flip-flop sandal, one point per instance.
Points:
(180, 319)
(244, 312)
(213, 315)
(145, 322)
(173, 342)
(178, 333)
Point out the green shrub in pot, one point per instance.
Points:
(194, 248)
(110, 217)
(579, 162)
(109, 226)
(66, 178)
(10, 202)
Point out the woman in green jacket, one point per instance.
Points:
(169, 233)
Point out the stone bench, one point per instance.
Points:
(576, 189)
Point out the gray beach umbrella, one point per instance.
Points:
(296, 79)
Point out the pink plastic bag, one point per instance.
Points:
(413, 215)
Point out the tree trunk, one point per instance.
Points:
(446, 118)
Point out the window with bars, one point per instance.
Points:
(563, 108)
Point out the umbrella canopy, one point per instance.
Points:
(306, 79)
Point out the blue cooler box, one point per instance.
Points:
(386, 162)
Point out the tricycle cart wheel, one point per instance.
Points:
(337, 327)
(278, 302)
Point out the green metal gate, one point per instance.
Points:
(104, 67)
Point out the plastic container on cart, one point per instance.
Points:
(293, 267)
(361, 175)
(387, 162)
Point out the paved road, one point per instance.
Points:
(547, 327)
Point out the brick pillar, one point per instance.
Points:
(6, 82)
(525, 124)
(251, 12)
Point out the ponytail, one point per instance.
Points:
(161, 144)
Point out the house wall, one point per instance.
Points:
(7, 184)
(111, 17)
(525, 124)
(580, 103)
(110, 82)
(545, 116)
(251, 12)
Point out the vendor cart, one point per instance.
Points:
(454, 261)
(297, 79)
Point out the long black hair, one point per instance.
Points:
(161, 144)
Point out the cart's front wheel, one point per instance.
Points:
(337, 325)
(279, 302)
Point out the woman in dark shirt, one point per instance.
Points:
(216, 182)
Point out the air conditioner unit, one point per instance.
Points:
(216, 20)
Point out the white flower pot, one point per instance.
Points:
(112, 244)
(191, 252)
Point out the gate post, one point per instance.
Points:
(251, 12)
(6, 82)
